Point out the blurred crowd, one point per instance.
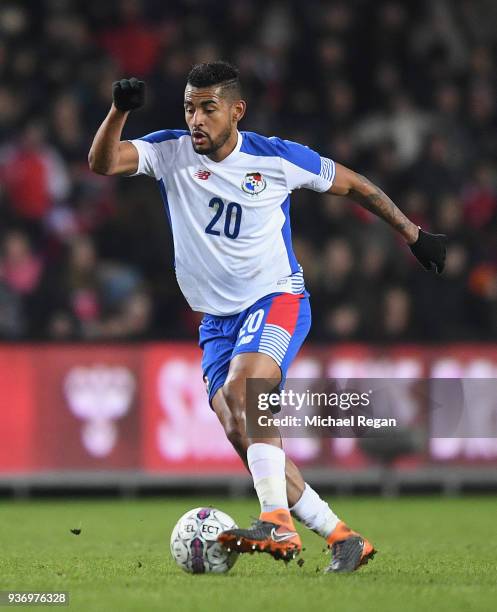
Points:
(403, 92)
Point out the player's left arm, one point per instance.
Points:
(428, 248)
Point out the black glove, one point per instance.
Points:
(429, 250)
(128, 94)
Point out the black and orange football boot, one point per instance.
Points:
(273, 533)
(349, 550)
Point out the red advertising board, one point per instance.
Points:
(17, 410)
(87, 407)
(180, 431)
(144, 407)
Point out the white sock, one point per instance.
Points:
(315, 513)
(267, 466)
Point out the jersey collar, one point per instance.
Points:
(230, 157)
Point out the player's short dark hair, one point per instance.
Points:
(219, 73)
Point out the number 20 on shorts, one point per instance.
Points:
(252, 322)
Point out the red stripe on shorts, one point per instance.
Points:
(284, 311)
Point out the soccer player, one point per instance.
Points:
(227, 196)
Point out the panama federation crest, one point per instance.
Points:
(253, 183)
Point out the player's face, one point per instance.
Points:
(211, 118)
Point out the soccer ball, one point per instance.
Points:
(194, 544)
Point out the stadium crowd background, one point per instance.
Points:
(403, 92)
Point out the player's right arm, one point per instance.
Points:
(108, 154)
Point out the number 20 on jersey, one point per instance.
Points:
(226, 220)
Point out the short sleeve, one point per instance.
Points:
(304, 167)
(156, 152)
(148, 158)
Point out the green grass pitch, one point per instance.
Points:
(435, 554)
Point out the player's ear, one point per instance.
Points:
(238, 110)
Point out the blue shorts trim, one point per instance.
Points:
(275, 325)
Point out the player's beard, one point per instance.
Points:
(213, 145)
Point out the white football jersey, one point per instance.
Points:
(230, 219)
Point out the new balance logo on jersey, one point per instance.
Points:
(253, 183)
(202, 174)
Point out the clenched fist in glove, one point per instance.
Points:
(429, 250)
(128, 94)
